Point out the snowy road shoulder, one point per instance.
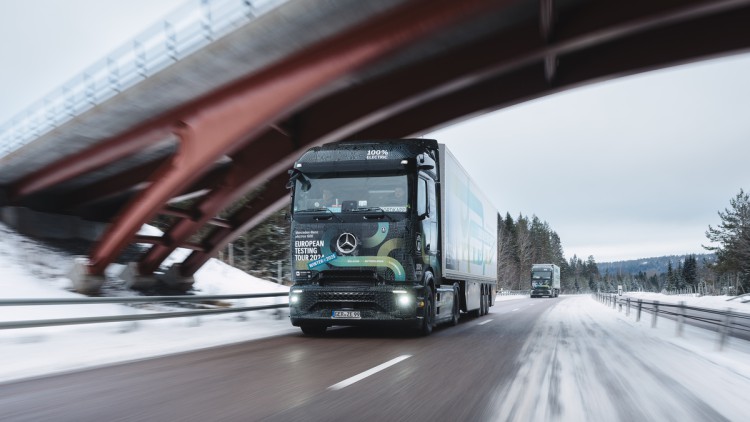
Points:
(584, 361)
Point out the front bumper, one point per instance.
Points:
(376, 305)
(542, 292)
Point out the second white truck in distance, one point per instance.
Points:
(545, 280)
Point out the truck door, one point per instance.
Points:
(427, 210)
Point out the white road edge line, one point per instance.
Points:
(484, 322)
(349, 381)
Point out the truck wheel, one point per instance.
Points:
(456, 306)
(476, 313)
(313, 330)
(429, 317)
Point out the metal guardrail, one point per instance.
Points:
(189, 28)
(513, 293)
(727, 323)
(132, 317)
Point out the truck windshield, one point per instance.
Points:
(345, 194)
(541, 275)
(540, 278)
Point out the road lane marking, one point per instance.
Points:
(515, 309)
(484, 322)
(349, 381)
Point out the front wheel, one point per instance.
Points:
(429, 318)
(313, 330)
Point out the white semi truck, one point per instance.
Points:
(545, 280)
(390, 232)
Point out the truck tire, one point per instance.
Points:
(313, 330)
(429, 311)
(456, 306)
(476, 313)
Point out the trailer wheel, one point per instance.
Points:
(429, 317)
(487, 302)
(476, 313)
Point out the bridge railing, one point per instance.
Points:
(189, 28)
(205, 299)
(727, 323)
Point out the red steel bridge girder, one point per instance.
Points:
(303, 99)
(243, 175)
(220, 125)
(258, 209)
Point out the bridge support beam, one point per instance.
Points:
(255, 211)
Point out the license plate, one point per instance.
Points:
(346, 314)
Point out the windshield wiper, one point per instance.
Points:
(368, 209)
(321, 209)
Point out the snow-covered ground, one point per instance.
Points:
(588, 362)
(31, 270)
(584, 352)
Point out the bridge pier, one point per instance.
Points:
(133, 278)
(174, 279)
(83, 282)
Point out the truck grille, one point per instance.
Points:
(381, 301)
(346, 297)
(350, 278)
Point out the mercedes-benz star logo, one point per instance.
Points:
(346, 243)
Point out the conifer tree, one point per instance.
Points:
(733, 238)
(671, 282)
(690, 271)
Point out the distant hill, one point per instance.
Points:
(650, 266)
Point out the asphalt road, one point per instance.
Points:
(451, 375)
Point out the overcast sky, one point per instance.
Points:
(631, 168)
(627, 169)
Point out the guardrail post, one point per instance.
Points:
(656, 311)
(627, 310)
(725, 329)
(638, 314)
(680, 318)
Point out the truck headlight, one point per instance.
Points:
(403, 298)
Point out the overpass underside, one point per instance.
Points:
(215, 166)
